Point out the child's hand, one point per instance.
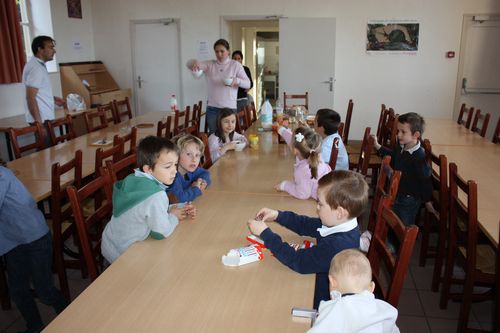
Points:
(179, 212)
(200, 183)
(376, 144)
(228, 146)
(190, 210)
(267, 214)
(256, 227)
(278, 187)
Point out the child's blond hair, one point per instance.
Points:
(183, 140)
(308, 143)
(352, 271)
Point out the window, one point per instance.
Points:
(35, 16)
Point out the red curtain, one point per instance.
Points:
(12, 56)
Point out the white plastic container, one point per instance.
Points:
(266, 115)
(279, 109)
(242, 256)
(173, 103)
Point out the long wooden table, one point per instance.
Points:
(477, 159)
(180, 284)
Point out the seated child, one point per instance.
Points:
(140, 203)
(342, 196)
(415, 186)
(308, 167)
(26, 244)
(225, 137)
(327, 123)
(191, 180)
(353, 307)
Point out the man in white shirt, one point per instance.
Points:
(36, 79)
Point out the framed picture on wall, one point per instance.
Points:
(74, 8)
(392, 36)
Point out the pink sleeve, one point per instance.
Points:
(214, 146)
(302, 185)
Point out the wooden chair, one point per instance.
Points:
(334, 154)
(347, 123)
(61, 220)
(15, 133)
(109, 111)
(464, 110)
(384, 113)
(4, 288)
(90, 228)
(130, 137)
(64, 124)
(120, 169)
(193, 129)
(496, 134)
(121, 108)
(101, 155)
(386, 187)
(484, 126)
(248, 110)
(468, 248)
(90, 117)
(388, 136)
(254, 112)
(382, 260)
(241, 121)
(206, 161)
(304, 97)
(436, 223)
(164, 128)
(361, 162)
(178, 127)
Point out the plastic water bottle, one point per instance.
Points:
(266, 115)
(173, 103)
(279, 111)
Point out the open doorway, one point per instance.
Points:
(258, 40)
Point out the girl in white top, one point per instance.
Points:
(225, 137)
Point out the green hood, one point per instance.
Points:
(131, 191)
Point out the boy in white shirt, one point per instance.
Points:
(353, 307)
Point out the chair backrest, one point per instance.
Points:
(193, 129)
(386, 187)
(164, 128)
(178, 127)
(109, 111)
(365, 153)
(388, 268)
(465, 111)
(64, 125)
(390, 131)
(206, 162)
(241, 121)
(303, 97)
(384, 113)
(254, 112)
(115, 152)
(90, 117)
(15, 133)
(340, 130)
(463, 216)
(347, 122)
(90, 227)
(334, 154)
(131, 137)
(121, 169)
(248, 110)
(485, 119)
(122, 108)
(496, 134)
(439, 177)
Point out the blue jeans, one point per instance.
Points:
(407, 208)
(33, 262)
(211, 118)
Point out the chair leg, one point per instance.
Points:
(465, 304)
(440, 253)
(61, 273)
(448, 274)
(425, 239)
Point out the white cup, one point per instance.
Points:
(197, 74)
(228, 81)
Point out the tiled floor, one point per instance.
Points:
(418, 307)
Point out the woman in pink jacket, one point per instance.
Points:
(308, 168)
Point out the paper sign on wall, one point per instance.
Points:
(204, 50)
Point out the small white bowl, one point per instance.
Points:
(228, 81)
(240, 145)
(197, 74)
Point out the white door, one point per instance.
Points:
(307, 59)
(479, 73)
(156, 61)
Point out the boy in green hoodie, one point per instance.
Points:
(140, 203)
